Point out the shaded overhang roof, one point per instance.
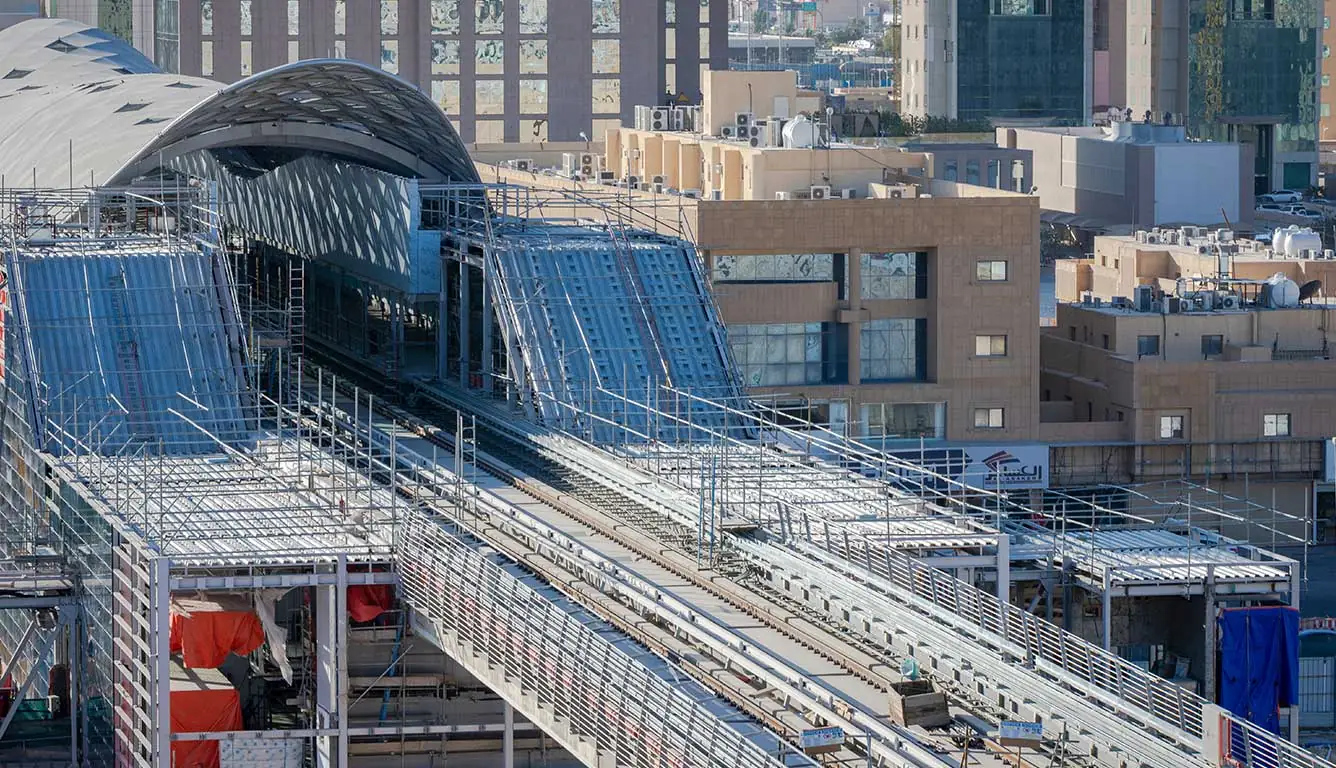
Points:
(79, 106)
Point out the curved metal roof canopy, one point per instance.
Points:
(79, 106)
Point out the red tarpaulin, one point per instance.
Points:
(367, 601)
(202, 701)
(204, 638)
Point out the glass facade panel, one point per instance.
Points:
(777, 354)
(446, 95)
(294, 51)
(1021, 58)
(1254, 62)
(167, 35)
(294, 17)
(389, 17)
(445, 17)
(893, 349)
(490, 57)
(894, 275)
(490, 18)
(533, 97)
(490, 97)
(206, 17)
(206, 58)
(775, 268)
(247, 25)
(389, 56)
(607, 97)
(607, 57)
(607, 17)
(904, 420)
(533, 17)
(247, 60)
(490, 131)
(533, 56)
(340, 18)
(445, 57)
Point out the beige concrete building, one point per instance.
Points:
(503, 70)
(1229, 390)
(1327, 93)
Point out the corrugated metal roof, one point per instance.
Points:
(118, 338)
(1158, 555)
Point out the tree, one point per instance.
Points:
(790, 29)
(761, 20)
(890, 43)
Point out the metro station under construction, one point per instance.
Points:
(320, 451)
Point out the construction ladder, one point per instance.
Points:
(127, 359)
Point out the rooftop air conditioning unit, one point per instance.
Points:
(642, 118)
(589, 163)
(716, 194)
(743, 119)
(755, 141)
(848, 194)
(1225, 235)
(523, 164)
(897, 193)
(677, 120)
(1230, 301)
(820, 192)
(607, 176)
(570, 163)
(1087, 298)
(644, 187)
(633, 181)
(774, 132)
(657, 179)
(783, 195)
(658, 189)
(1120, 302)
(694, 194)
(1329, 254)
(658, 119)
(1157, 306)
(727, 132)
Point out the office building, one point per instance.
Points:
(14, 11)
(1327, 96)
(1132, 174)
(1244, 71)
(1003, 60)
(493, 66)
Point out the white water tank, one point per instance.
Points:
(1281, 291)
(800, 133)
(1303, 240)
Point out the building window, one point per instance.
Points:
(989, 418)
(206, 18)
(994, 171)
(490, 18)
(1171, 427)
(990, 346)
(206, 58)
(1326, 51)
(972, 172)
(991, 271)
(775, 268)
(1276, 425)
(1148, 346)
(246, 25)
(1212, 345)
(1105, 340)
(607, 98)
(340, 18)
(893, 349)
(780, 354)
(951, 172)
(490, 57)
(904, 420)
(533, 17)
(445, 57)
(444, 17)
(1326, 81)
(894, 275)
(1326, 109)
(294, 18)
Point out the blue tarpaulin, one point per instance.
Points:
(1259, 663)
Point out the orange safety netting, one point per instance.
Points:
(203, 711)
(204, 638)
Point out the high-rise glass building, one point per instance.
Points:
(503, 70)
(1233, 70)
(997, 59)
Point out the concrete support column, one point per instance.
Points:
(442, 325)
(1004, 567)
(465, 307)
(508, 744)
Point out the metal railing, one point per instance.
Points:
(580, 679)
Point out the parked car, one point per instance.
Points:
(1281, 196)
(1307, 213)
(1272, 207)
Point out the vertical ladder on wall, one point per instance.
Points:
(296, 307)
(127, 361)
